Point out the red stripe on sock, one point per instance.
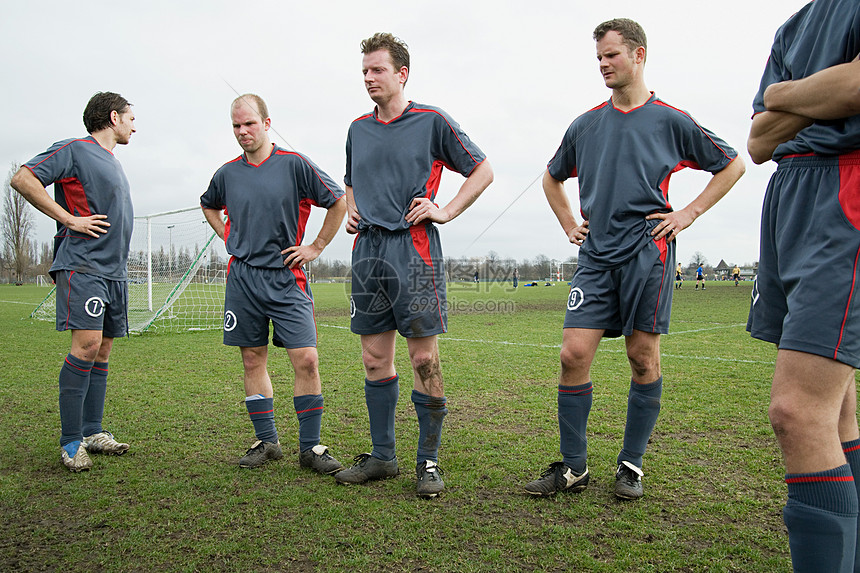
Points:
(852, 449)
(815, 479)
(309, 410)
(78, 368)
(265, 412)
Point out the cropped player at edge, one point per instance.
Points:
(267, 193)
(623, 153)
(807, 119)
(394, 161)
(93, 209)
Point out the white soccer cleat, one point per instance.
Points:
(104, 443)
(79, 463)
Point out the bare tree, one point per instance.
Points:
(698, 259)
(17, 224)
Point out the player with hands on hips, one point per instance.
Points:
(93, 209)
(626, 247)
(267, 193)
(394, 159)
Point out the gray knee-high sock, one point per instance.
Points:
(643, 407)
(821, 518)
(262, 414)
(309, 411)
(431, 412)
(74, 381)
(381, 398)
(852, 454)
(574, 405)
(94, 401)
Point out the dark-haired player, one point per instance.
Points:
(394, 160)
(93, 209)
(807, 119)
(268, 193)
(623, 153)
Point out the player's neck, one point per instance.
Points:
(388, 110)
(630, 96)
(260, 155)
(106, 138)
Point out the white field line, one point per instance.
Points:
(33, 304)
(619, 350)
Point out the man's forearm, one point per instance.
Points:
(771, 128)
(832, 93)
(215, 220)
(333, 218)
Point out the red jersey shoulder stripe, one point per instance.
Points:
(304, 159)
(413, 110)
(658, 101)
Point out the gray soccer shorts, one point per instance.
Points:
(634, 296)
(88, 302)
(805, 293)
(256, 296)
(398, 282)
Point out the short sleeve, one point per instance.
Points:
(213, 198)
(54, 164)
(319, 187)
(562, 166)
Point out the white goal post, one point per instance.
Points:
(176, 274)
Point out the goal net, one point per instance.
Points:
(177, 268)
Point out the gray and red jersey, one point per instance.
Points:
(390, 164)
(797, 54)
(623, 161)
(268, 204)
(88, 180)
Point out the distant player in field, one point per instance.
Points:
(268, 193)
(736, 274)
(700, 277)
(93, 209)
(623, 153)
(679, 277)
(807, 119)
(394, 160)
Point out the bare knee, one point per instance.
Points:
(254, 358)
(786, 417)
(86, 344)
(376, 365)
(575, 359)
(644, 368)
(306, 364)
(426, 364)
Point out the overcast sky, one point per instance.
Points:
(513, 74)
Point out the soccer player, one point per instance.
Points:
(807, 119)
(679, 278)
(268, 193)
(394, 160)
(736, 274)
(700, 277)
(93, 209)
(623, 152)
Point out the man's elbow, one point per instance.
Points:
(758, 153)
(17, 181)
(855, 99)
(487, 172)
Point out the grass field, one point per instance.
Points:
(178, 501)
